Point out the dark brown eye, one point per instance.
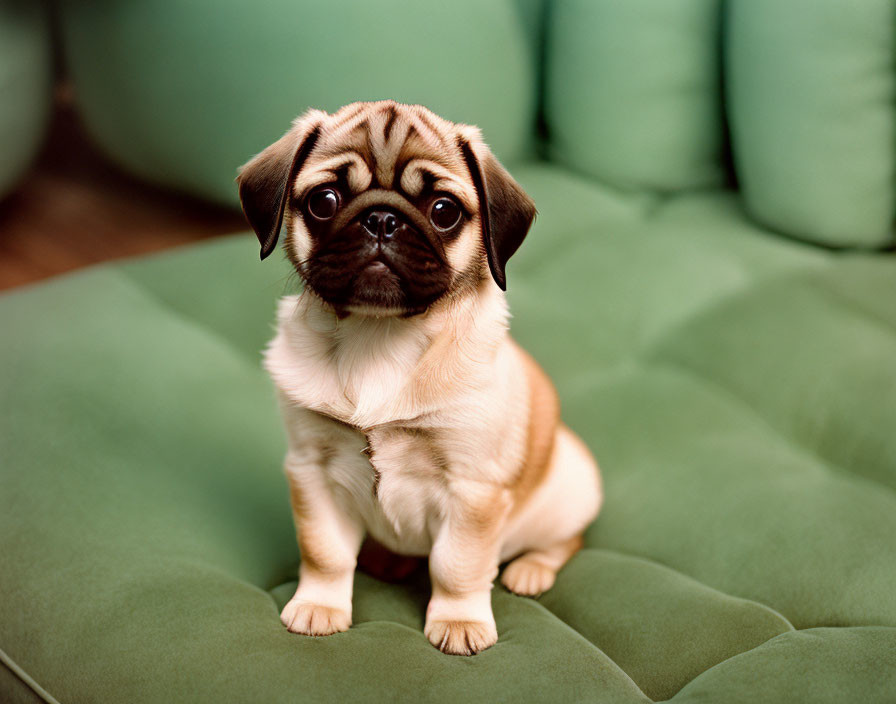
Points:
(323, 203)
(445, 213)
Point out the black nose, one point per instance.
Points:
(380, 223)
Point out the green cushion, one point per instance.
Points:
(26, 76)
(811, 86)
(633, 91)
(182, 92)
(640, 94)
(736, 388)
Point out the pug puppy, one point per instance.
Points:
(411, 414)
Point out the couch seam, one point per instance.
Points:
(207, 329)
(753, 280)
(761, 645)
(554, 617)
(26, 679)
(734, 597)
(854, 307)
(652, 354)
(734, 398)
(652, 562)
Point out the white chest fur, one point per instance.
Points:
(391, 477)
(366, 371)
(363, 384)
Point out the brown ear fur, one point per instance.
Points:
(264, 182)
(505, 210)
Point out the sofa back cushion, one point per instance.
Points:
(184, 91)
(632, 91)
(793, 101)
(635, 93)
(810, 90)
(26, 78)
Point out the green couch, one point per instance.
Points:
(25, 80)
(707, 283)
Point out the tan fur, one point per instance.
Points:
(442, 436)
(544, 415)
(534, 572)
(313, 548)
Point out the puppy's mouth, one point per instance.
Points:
(380, 261)
(377, 280)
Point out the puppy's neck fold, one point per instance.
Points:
(478, 319)
(366, 370)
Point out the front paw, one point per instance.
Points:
(313, 619)
(461, 637)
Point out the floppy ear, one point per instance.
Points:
(505, 210)
(265, 180)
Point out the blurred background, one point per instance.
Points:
(73, 207)
(64, 204)
(122, 124)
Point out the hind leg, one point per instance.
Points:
(534, 572)
(563, 506)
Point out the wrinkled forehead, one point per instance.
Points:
(389, 146)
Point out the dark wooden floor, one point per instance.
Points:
(76, 208)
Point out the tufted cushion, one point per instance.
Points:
(182, 92)
(736, 387)
(811, 87)
(632, 91)
(26, 75)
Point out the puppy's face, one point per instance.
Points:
(388, 207)
(381, 213)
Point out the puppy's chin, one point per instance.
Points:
(375, 291)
